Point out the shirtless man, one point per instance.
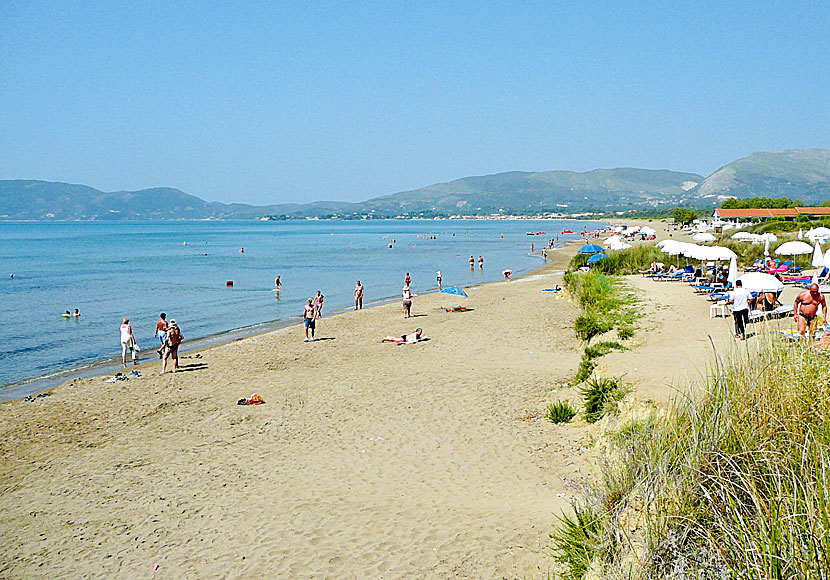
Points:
(161, 332)
(472, 262)
(805, 309)
(309, 320)
(480, 262)
(358, 296)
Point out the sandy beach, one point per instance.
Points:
(368, 460)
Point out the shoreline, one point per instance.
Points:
(45, 383)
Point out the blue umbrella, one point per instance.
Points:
(597, 258)
(590, 249)
(454, 290)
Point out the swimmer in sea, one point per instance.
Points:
(76, 314)
(472, 262)
(277, 283)
(480, 263)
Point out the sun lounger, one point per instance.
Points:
(779, 312)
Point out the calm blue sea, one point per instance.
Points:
(113, 270)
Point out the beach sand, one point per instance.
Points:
(368, 460)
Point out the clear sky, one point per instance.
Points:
(268, 102)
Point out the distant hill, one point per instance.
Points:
(795, 173)
(523, 192)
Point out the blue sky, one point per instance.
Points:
(274, 102)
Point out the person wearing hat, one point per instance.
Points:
(171, 346)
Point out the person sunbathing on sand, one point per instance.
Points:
(416, 336)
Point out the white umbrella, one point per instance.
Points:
(818, 234)
(610, 241)
(768, 237)
(621, 246)
(633, 229)
(800, 235)
(703, 237)
(793, 249)
(760, 282)
(718, 253)
(648, 231)
(818, 258)
(827, 259)
(733, 271)
(743, 236)
(766, 248)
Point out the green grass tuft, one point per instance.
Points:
(577, 540)
(600, 396)
(561, 412)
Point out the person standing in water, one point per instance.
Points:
(472, 263)
(438, 278)
(358, 296)
(480, 263)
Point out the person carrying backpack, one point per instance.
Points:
(171, 346)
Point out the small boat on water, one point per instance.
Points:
(567, 231)
(535, 233)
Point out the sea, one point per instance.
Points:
(112, 270)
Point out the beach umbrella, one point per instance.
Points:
(761, 282)
(455, 290)
(610, 241)
(818, 234)
(597, 258)
(827, 259)
(800, 234)
(633, 229)
(768, 237)
(621, 246)
(744, 236)
(733, 270)
(590, 249)
(793, 249)
(766, 248)
(704, 237)
(648, 231)
(818, 257)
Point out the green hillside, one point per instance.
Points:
(794, 173)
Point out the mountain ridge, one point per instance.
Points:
(795, 173)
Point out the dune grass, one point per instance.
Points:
(734, 482)
(561, 412)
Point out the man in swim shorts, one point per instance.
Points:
(438, 278)
(358, 296)
(309, 320)
(161, 332)
(805, 309)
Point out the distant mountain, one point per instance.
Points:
(523, 192)
(798, 174)
(795, 173)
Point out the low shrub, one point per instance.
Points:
(588, 325)
(577, 541)
(625, 332)
(600, 396)
(601, 349)
(561, 412)
(583, 373)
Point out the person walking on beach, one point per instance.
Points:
(406, 295)
(739, 298)
(438, 278)
(172, 341)
(805, 310)
(128, 343)
(161, 332)
(309, 319)
(318, 305)
(358, 296)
